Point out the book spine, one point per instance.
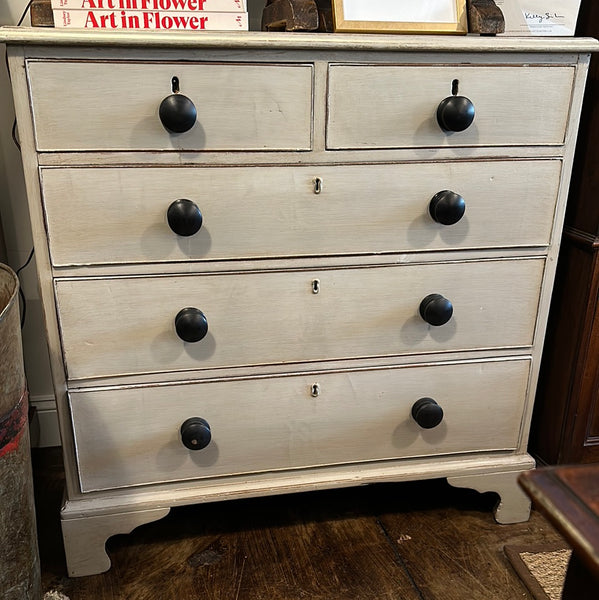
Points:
(153, 5)
(150, 20)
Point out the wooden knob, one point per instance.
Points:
(447, 207)
(427, 413)
(177, 113)
(191, 324)
(195, 433)
(436, 310)
(184, 217)
(455, 113)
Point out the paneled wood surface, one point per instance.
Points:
(272, 318)
(392, 106)
(240, 107)
(131, 436)
(254, 212)
(409, 541)
(566, 422)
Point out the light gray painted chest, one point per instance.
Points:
(315, 285)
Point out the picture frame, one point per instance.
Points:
(400, 16)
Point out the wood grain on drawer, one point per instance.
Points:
(395, 106)
(126, 325)
(132, 436)
(114, 106)
(255, 212)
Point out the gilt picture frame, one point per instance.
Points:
(400, 16)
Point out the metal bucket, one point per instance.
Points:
(19, 555)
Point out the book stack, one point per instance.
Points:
(162, 15)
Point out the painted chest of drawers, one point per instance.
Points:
(274, 263)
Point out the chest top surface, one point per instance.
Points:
(256, 40)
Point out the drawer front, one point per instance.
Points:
(126, 325)
(114, 106)
(257, 212)
(395, 107)
(132, 436)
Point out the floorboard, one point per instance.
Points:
(409, 541)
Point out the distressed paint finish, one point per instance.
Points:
(130, 437)
(266, 322)
(240, 106)
(19, 560)
(300, 222)
(406, 99)
(295, 325)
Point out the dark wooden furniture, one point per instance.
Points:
(566, 421)
(569, 498)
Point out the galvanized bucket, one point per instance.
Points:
(19, 556)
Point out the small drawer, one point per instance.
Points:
(396, 106)
(129, 437)
(121, 215)
(118, 326)
(115, 105)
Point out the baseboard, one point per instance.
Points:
(43, 428)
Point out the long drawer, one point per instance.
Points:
(119, 215)
(80, 105)
(117, 326)
(132, 436)
(391, 106)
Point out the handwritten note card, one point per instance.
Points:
(539, 17)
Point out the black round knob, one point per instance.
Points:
(427, 413)
(195, 433)
(455, 113)
(184, 217)
(447, 207)
(177, 113)
(191, 324)
(436, 309)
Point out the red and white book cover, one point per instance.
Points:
(151, 20)
(235, 6)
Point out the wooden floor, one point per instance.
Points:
(408, 541)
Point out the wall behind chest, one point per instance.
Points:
(17, 234)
